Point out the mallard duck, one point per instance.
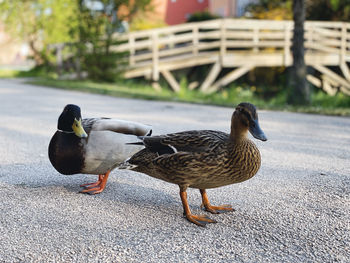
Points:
(203, 159)
(92, 146)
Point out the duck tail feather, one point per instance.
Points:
(126, 165)
(135, 143)
(149, 133)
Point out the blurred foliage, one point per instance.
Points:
(271, 9)
(329, 10)
(270, 81)
(321, 102)
(143, 21)
(39, 22)
(202, 16)
(95, 36)
(86, 29)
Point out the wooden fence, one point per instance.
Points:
(241, 45)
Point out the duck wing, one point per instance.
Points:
(189, 141)
(116, 125)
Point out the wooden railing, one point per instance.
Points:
(236, 43)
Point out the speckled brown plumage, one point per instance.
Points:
(203, 159)
(214, 160)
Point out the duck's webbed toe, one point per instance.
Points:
(217, 209)
(96, 187)
(200, 220)
(213, 209)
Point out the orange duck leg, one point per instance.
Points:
(213, 209)
(96, 187)
(200, 220)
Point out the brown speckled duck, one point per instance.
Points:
(92, 146)
(203, 159)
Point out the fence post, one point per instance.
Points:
(59, 57)
(343, 65)
(132, 50)
(287, 31)
(255, 39)
(222, 41)
(155, 56)
(343, 43)
(195, 40)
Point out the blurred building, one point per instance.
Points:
(229, 8)
(177, 11)
(13, 53)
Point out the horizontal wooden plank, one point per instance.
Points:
(320, 58)
(251, 44)
(208, 45)
(331, 24)
(209, 35)
(323, 48)
(335, 43)
(257, 24)
(232, 59)
(175, 39)
(327, 32)
(144, 44)
(175, 51)
(141, 57)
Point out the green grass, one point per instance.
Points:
(130, 89)
(36, 72)
(321, 102)
(8, 73)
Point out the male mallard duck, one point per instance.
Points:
(203, 159)
(92, 146)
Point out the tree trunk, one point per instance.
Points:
(300, 92)
(37, 56)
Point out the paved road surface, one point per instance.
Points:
(296, 209)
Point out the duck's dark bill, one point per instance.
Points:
(78, 129)
(256, 131)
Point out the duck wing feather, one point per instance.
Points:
(116, 125)
(189, 141)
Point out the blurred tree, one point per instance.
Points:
(201, 16)
(39, 22)
(270, 80)
(86, 25)
(271, 9)
(96, 28)
(143, 21)
(329, 10)
(300, 92)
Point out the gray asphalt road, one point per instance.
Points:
(296, 209)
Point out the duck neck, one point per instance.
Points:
(238, 133)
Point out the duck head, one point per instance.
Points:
(70, 121)
(244, 119)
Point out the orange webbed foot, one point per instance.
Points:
(217, 209)
(92, 191)
(90, 185)
(213, 209)
(96, 187)
(199, 220)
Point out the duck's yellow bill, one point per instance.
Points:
(78, 129)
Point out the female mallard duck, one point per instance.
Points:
(92, 146)
(203, 159)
